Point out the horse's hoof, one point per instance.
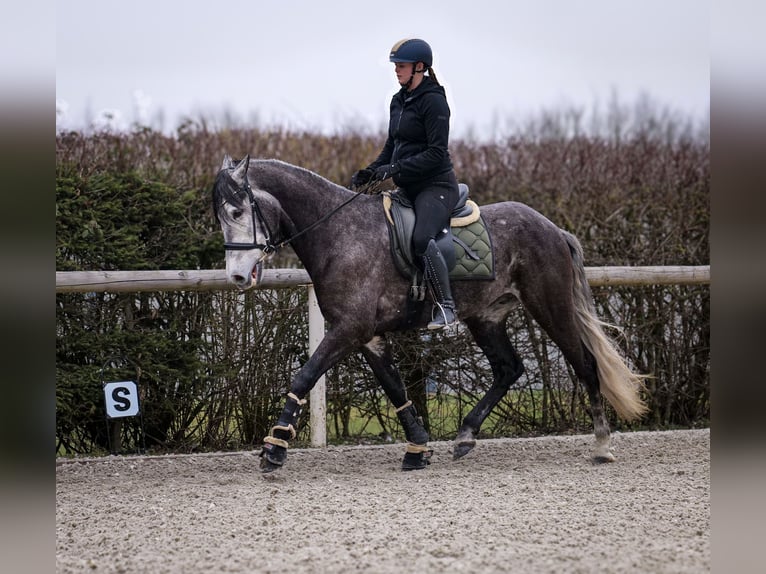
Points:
(273, 457)
(416, 460)
(268, 466)
(462, 448)
(604, 458)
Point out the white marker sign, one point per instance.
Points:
(121, 399)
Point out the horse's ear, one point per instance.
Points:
(228, 163)
(240, 172)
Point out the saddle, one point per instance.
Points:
(466, 245)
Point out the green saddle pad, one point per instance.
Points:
(469, 239)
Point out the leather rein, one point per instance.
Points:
(269, 246)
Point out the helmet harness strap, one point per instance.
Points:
(412, 75)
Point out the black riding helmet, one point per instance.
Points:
(411, 50)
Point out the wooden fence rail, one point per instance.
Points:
(215, 279)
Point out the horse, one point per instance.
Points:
(264, 204)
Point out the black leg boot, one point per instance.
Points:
(444, 307)
(418, 454)
(274, 451)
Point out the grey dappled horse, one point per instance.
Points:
(264, 204)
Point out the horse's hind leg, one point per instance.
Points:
(584, 365)
(507, 367)
(557, 318)
(588, 374)
(377, 352)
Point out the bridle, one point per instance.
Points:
(269, 246)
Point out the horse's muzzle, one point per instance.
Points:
(244, 282)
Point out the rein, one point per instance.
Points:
(269, 247)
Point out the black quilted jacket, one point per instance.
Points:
(418, 133)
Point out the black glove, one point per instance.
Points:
(385, 171)
(361, 177)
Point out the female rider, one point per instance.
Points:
(415, 155)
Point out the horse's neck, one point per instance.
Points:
(303, 195)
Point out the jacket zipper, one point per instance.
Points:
(395, 155)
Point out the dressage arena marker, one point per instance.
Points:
(121, 399)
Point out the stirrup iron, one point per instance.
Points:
(443, 318)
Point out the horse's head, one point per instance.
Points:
(249, 217)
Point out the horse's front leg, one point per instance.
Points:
(334, 347)
(377, 352)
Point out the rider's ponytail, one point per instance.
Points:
(432, 75)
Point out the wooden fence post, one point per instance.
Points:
(317, 396)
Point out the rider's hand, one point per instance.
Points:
(385, 171)
(361, 177)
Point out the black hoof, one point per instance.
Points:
(267, 466)
(603, 459)
(416, 460)
(462, 448)
(272, 457)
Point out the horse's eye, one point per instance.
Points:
(237, 213)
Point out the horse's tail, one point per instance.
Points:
(618, 383)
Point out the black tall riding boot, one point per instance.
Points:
(436, 268)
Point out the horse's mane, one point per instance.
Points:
(300, 172)
(225, 190)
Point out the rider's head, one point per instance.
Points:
(411, 56)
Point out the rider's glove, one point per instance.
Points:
(361, 177)
(385, 171)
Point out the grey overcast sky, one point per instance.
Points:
(324, 64)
